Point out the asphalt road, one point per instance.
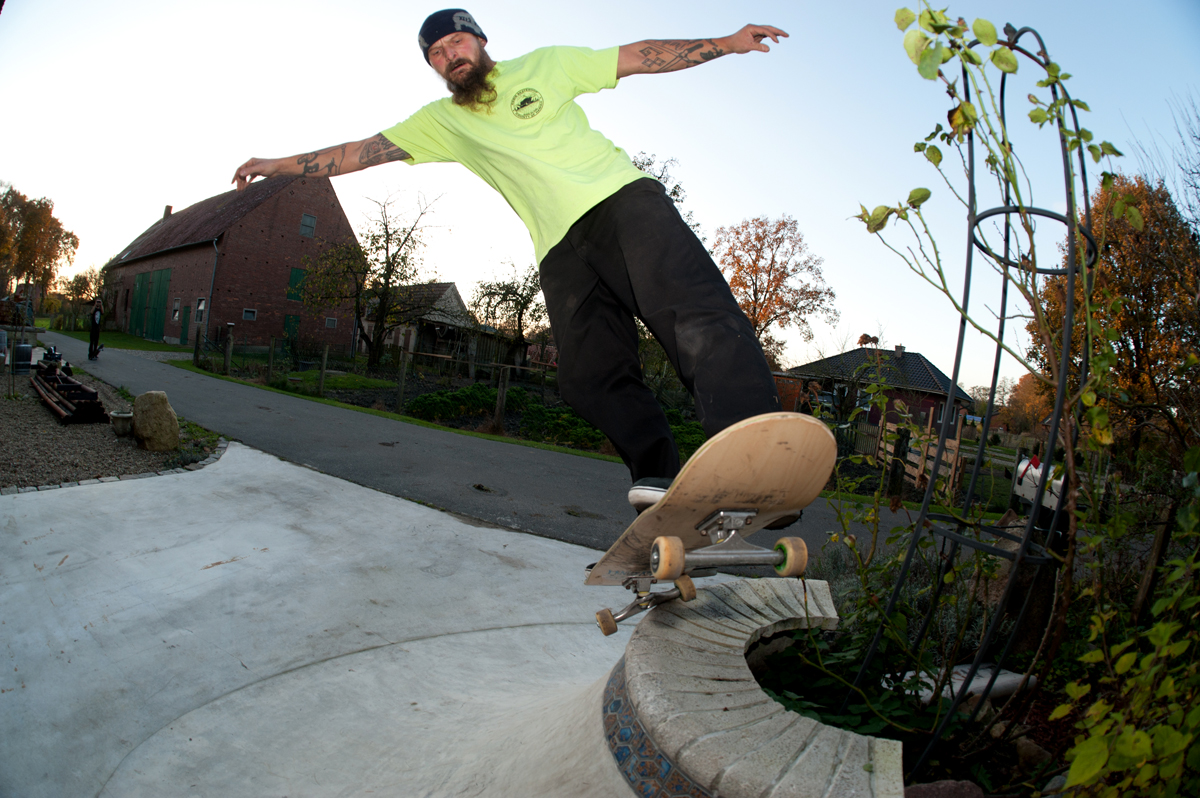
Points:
(561, 496)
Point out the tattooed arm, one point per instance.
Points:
(339, 160)
(656, 55)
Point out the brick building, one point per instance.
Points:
(236, 257)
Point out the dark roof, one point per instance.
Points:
(906, 371)
(202, 222)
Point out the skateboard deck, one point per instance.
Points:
(775, 464)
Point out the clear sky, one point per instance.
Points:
(116, 109)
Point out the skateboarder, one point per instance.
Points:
(610, 244)
(94, 336)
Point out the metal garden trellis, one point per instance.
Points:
(947, 527)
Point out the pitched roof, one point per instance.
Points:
(903, 370)
(202, 222)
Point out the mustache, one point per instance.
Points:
(456, 64)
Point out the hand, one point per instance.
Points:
(751, 38)
(255, 167)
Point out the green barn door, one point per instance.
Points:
(137, 311)
(183, 329)
(156, 312)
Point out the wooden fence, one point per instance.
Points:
(921, 454)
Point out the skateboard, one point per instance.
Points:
(759, 471)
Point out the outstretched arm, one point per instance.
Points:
(655, 55)
(342, 159)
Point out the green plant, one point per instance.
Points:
(1142, 731)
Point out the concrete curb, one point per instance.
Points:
(684, 714)
(222, 445)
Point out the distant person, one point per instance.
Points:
(610, 243)
(94, 339)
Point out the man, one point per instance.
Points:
(610, 243)
(94, 337)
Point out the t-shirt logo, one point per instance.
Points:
(527, 103)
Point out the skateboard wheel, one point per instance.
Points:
(795, 556)
(686, 588)
(667, 558)
(606, 622)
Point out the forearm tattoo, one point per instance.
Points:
(381, 150)
(669, 56)
(311, 163)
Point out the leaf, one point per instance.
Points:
(936, 130)
(934, 155)
(1109, 149)
(1081, 105)
(962, 118)
(1090, 758)
(931, 59)
(878, 218)
(1061, 711)
(1125, 662)
(915, 43)
(1096, 655)
(1096, 153)
(1134, 217)
(904, 18)
(919, 146)
(918, 196)
(1004, 60)
(985, 32)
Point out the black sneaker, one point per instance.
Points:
(646, 492)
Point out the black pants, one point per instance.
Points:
(633, 255)
(94, 342)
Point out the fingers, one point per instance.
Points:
(759, 32)
(246, 173)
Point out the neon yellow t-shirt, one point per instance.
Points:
(535, 146)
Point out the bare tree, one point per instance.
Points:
(512, 306)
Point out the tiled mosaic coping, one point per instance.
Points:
(684, 715)
(222, 445)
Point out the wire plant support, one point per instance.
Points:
(947, 529)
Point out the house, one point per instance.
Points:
(236, 258)
(908, 376)
(445, 326)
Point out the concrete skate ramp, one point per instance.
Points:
(256, 628)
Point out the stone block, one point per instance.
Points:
(89, 482)
(48, 487)
(69, 484)
(30, 489)
(155, 424)
(110, 479)
(9, 491)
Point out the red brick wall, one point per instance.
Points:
(256, 257)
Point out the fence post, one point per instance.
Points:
(196, 349)
(321, 376)
(271, 360)
(400, 382)
(228, 352)
(895, 483)
(501, 392)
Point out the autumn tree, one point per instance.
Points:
(513, 306)
(34, 245)
(382, 277)
(1145, 301)
(1027, 407)
(980, 393)
(80, 288)
(775, 279)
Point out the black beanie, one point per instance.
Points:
(443, 23)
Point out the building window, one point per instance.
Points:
(175, 310)
(296, 285)
(249, 314)
(200, 310)
(330, 322)
(308, 225)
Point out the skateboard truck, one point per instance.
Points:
(669, 562)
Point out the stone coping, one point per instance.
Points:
(685, 678)
(222, 445)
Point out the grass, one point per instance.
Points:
(120, 340)
(340, 382)
(186, 365)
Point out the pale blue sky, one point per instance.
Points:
(116, 109)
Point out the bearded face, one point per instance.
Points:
(468, 81)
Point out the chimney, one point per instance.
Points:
(899, 351)
(166, 211)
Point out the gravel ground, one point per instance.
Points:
(36, 450)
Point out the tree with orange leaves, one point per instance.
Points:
(1146, 303)
(774, 278)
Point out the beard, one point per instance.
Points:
(472, 89)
